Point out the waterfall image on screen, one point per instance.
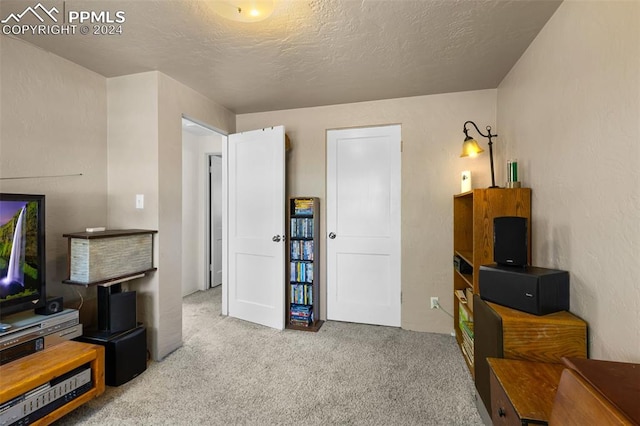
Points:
(17, 223)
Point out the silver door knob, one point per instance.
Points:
(276, 238)
(332, 235)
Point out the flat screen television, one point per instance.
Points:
(22, 253)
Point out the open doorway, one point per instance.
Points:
(201, 207)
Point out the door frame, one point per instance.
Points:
(209, 231)
(225, 211)
(224, 140)
(225, 224)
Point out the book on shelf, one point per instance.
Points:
(463, 315)
(301, 294)
(467, 340)
(302, 250)
(301, 314)
(303, 206)
(299, 323)
(301, 227)
(461, 296)
(301, 272)
(467, 329)
(468, 353)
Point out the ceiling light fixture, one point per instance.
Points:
(244, 10)
(470, 147)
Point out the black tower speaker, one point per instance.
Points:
(510, 245)
(116, 309)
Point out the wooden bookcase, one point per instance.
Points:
(303, 282)
(32, 371)
(473, 214)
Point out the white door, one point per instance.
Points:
(256, 224)
(363, 225)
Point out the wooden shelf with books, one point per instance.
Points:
(473, 214)
(303, 295)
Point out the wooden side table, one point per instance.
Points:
(597, 392)
(522, 392)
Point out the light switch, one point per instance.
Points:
(139, 201)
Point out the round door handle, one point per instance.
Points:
(501, 412)
(332, 235)
(276, 238)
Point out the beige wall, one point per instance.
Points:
(145, 157)
(432, 138)
(174, 101)
(133, 169)
(53, 116)
(569, 111)
(58, 118)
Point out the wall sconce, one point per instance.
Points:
(243, 10)
(470, 147)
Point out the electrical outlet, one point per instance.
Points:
(434, 303)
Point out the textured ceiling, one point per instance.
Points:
(308, 52)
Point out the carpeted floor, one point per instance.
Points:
(232, 372)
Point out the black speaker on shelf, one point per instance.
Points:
(116, 309)
(510, 245)
(53, 305)
(538, 291)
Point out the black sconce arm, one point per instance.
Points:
(489, 136)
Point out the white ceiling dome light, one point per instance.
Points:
(244, 10)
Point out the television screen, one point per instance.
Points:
(22, 261)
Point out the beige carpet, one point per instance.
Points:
(233, 372)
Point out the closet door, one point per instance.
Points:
(256, 226)
(363, 225)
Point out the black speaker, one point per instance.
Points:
(116, 309)
(53, 305)
(122, 315)
(538, 291)
(125, 353)
(510, 246)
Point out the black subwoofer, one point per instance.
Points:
(125, 353)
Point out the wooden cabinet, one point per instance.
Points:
(522, 392)
(507, 333)
(35, 370)
(473, 214)
(578, 391)
(597, 392)
(303, 295)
